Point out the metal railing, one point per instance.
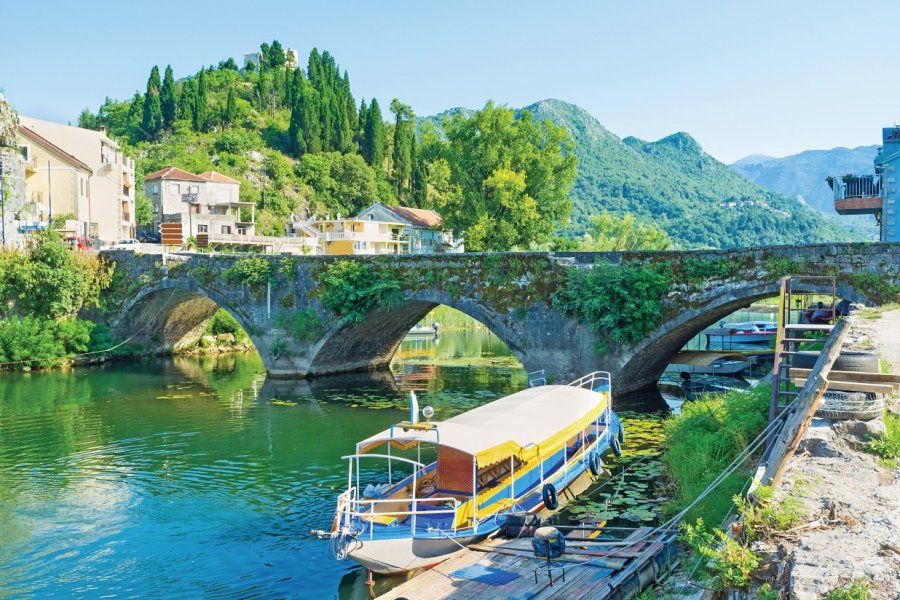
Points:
(853, 186)
(591, 381)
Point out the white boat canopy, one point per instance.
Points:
(529, 423)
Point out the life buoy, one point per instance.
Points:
(548, 493)
(595, 464)
(616, 446)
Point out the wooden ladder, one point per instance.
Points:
(797, 318)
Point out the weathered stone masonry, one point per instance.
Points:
(510, 293)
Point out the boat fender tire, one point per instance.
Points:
(846, 361)
(616, 446)
(621, 434)
(548, 493)
(595, 464)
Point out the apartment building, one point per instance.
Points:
(107, 205)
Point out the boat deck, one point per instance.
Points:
(590, 568)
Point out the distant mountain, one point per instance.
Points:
(803, 175)
(697, 200)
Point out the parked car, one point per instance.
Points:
(149, 238)
(129, 244)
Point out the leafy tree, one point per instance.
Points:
(143, 209)
(276, 55)
(250, 68)
(341, 183)
(152, 116)
(167, 98)
(608, 233)
(511, 178)
(88, 120)
(228, 65)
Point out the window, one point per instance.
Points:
(242, 230)
(371, 217)
(25, 151)
(202, 228)
(154, 188)
(226, 228)
(194, 189)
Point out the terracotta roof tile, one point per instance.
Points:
(173, 173)
(417, 216)
(216, 177)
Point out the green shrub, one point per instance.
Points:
(765, 515)
(623, 302)
(253, 271)
(353, 288)
(38, 342)
(858, 590)
(727, 563)
(223, 322)
(887, 447)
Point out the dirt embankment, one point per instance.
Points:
(851, 500)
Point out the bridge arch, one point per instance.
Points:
(171, 313)
(372, 343)
(647, 360)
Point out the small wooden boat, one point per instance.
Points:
(513, 455)
(708, 363)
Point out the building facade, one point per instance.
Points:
(111, 183)
(56, 184)
(873, 194)
(208, 203)
(12, 179)
(421, 227)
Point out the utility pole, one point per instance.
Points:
(49, 199)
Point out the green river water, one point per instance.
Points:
(197, 477)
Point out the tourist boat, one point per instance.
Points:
(747, 332)
(512, 455)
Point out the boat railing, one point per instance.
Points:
(595, 380)
(365, 510)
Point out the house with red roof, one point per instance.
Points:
(208, 203)
(422, 227)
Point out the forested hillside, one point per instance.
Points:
(299, 143)
(696, 199)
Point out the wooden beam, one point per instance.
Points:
(853, 386)
(863, 376)
(808, 401)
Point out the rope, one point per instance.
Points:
(111, 348)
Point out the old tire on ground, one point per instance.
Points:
(847, 361)
(850, 406)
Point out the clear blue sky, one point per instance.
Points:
(770, 77)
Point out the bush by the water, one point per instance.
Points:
(703, 441)
(223, 322)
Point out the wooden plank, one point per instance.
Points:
(808, 402)
(577, 556)
(853, 386)
(863, 376)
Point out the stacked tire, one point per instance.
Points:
(846, 406)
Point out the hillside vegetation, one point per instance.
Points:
(299, 144)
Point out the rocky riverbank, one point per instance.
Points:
(217, 344)
(851, 500)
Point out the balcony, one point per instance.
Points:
(856, 195)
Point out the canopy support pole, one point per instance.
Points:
(474, 495)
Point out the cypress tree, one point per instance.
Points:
(151, 122)
(201, 103)
(187, 100)
(276, 55)
(373, 137)
(167, 98)
(230, 107)
(403, 142)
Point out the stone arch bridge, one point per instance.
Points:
(282, 301)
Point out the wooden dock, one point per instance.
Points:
(589, 568)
